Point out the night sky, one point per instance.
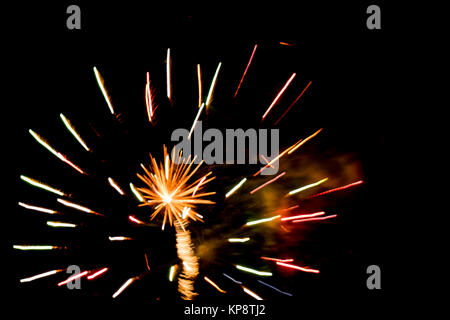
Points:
(52, 73)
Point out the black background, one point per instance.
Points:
(354, 72)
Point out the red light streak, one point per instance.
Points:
(133, 219)
(301, 216)
(298, 98)
(95, 275)
(337, 189)
(146, 262)
(292, 266)
(77, 276)
(245, 72)
(148, 99)
(315, 219)
(279, 95)
(268, 182)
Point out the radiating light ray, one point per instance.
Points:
(34, 247)
(149, 99)
(115, 186)
(185, 212)
(251, 293)
(267, 161)
(199, 184)
(57, 224)
(195, 121)
(229, 193)
(251, 223)
(278, 95)
(77, 206)
(292, 266)
(41, 275)
(168, 75)
(337, 189)
(30, 207)
(74, 277)
(235, 281)
(53, 151)
(96, 274)
(276, 289)
(238, 239)
(315, 219)
(304, 141)
(171, 273)
(250, 270)
(213, 84)
(123, 287)
(302, 216)
(214, 285)
(293, 103)
(136, 193)
(133, 219)
(100, 82)
(269, 164)
(286, 44)
(288, 209)
(307, 186)
(41, 185)
(199, 78)
(73, 132)
(277, 260)
(246, 69)
(167, 167)
(146, 262)
(119, 238)
(267, 183)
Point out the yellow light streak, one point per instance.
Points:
(57, 224)
(251, 223)
(229, 193)
(115, 186)
(100, 82)
(213, 84)
(77, 207)
(41, 185)
(250, 270)
(136, 193)
(307, 186)
(41, 275)
(30, 207)
(123, 287)
(72, 131)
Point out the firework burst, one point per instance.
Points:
(174, 189)
(170, 191)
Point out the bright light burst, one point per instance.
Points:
(173, 191)
(169, 190)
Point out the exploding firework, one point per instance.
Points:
(174, 190)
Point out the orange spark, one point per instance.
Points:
(214, 285)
